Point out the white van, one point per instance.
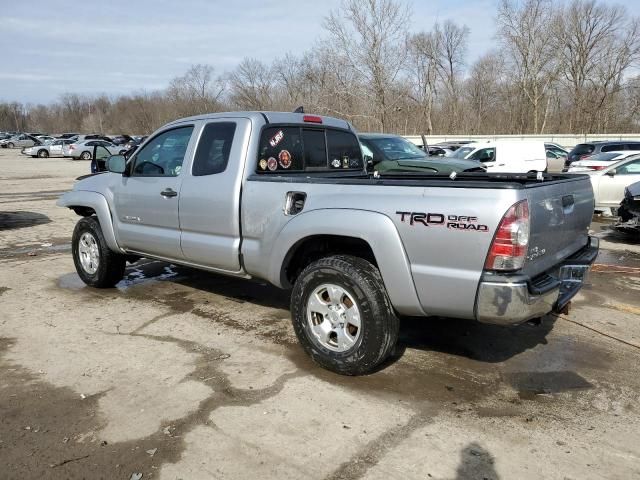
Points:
(507, 155)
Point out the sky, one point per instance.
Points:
(51, 47)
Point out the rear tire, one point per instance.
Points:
(97, 265)
(43, 154)
(329, 298)
(85, 155)
(10, 145)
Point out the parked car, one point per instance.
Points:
(453, 146)
(599, 161)
(68, 135)
(45, 138)
(19, 141)
(507, 155)
(583, 150)
(609, 183)
(51, 149)
(555, 161)
(84, 150)
(556, 148)
(121, 139)
(392, 153)
(629, 210)
(286, 198)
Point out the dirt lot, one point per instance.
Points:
(178, 374)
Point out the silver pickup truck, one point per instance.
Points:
(287, 198)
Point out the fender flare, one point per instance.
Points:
(376, 229)
(99, 204)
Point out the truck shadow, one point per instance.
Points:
(15, 220)
(470, 339)
(461, 338)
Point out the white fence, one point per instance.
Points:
(566, 140)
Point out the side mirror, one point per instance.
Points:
(612, 172)
(116, 164)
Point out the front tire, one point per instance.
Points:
(342, 315)
(97, 265)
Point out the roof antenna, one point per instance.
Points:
(300, 109)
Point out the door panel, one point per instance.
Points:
(209, 201)
(147, 200)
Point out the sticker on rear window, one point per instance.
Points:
(285, 158)
(276, 139)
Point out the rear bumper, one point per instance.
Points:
(509, 300)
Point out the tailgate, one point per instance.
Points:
(561, 213)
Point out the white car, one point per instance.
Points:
(609, 183)
(48, 149)
(507, 155)
(84, 150)
(599, 161)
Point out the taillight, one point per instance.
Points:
(597, 167)
(72, 147)
(509, 246)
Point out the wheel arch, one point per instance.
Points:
(360, 233)
(85, 203)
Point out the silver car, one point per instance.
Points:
(48, 149)
(21, 140)
(84, 150)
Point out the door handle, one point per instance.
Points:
(169, 192)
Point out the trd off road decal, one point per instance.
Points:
(453, 222)
(276, 139)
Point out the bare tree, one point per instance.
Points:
(597, 43)
(524, 30)
(425, 53)
(252, 85)
(370, 36)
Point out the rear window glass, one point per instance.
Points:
(632, 146)
(583, 148)
(295, 149)
(344, 150)
(212, 154)
(315, 149)
(280, 149)
(616, 147)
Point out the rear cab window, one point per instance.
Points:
(296, 149)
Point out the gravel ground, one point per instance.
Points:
(180, 374)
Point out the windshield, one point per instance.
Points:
(462, 152)
(396, 148)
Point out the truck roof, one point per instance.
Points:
(272, 117)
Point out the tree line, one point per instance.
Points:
(570, 67)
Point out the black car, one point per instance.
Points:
(583, 150)
(121, 139)
(629, 210)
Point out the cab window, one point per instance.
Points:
(212, 154)
(280, 150)
(344, 150)
(163, 155)
(296, 149)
